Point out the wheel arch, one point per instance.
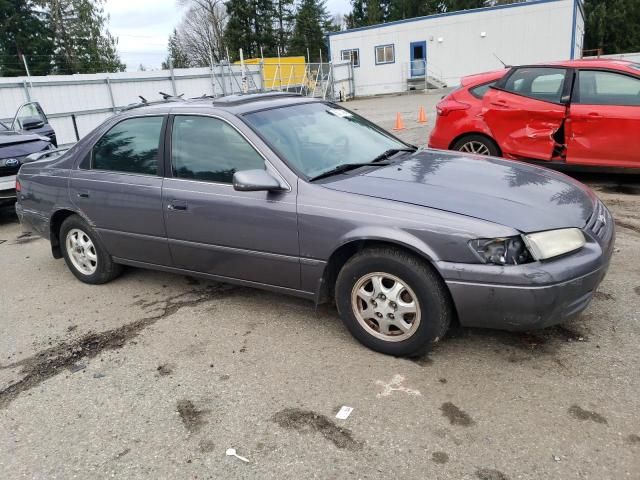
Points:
(478, 133)
(55, 222)
(347, 249)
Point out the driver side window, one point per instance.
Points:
(209, 149)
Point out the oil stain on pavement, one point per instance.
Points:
(192, 417)
(490, 474)
(52, 361)
(455, 415)
(306, 421)
(581, 414)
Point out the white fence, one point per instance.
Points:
(93, 98)
(87, 100)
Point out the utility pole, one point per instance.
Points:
(26, 67)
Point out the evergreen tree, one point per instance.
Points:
(250, 27)
(82, 44)
(284, 17)
(23, 32)
(612, 25)
(311, 24)
(177, 55)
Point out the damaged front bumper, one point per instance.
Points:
(534, 295)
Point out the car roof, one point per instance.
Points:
(237, 104)
(593, 62)
(604, 63)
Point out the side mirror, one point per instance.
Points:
(32, 123)
(255, 181)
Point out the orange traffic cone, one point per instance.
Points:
(399, 122)
(422, 117)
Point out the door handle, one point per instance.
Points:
(594, 115)
(83, 194)
(177, 205)
(499, 103)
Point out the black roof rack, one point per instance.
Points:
(240, 99)
(166, 98)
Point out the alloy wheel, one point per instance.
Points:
(82, 251)
(475, 147)
(386, 307)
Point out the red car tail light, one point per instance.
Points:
(447, 106)
(18, 186)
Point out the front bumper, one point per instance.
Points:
(7, 189)
(530, 296)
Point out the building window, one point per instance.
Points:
(385, 54)
(352, 55)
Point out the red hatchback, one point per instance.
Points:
(578, 112)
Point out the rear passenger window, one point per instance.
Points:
(480, 90)
(541, 83)
(607, 88)
(209, 149)
(131, 146)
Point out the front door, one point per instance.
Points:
(215, 229)
(418, 59)
(603, 127)
(526, 110)
(118, 188)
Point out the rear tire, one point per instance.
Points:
(477, 144)
(85, 254)
(393, 302)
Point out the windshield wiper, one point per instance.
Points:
(345, 167)
(391, 152)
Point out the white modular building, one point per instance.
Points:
(438, 50)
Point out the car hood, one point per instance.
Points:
(522, 196)
(14, 144)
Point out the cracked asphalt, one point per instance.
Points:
(157, 375)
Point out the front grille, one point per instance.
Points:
(7, 171)
(597, 223)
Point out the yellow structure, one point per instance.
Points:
(281, 73)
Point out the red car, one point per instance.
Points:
(578, 112)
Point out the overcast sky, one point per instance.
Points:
(143, 26)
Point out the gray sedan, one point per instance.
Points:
(307, 198)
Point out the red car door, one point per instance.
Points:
(603, 127)
(526, 109)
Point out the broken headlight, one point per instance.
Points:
(501, 251)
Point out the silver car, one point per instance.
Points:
(304, 197)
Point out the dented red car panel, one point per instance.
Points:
(580, 112)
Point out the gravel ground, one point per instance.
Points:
(157, 375)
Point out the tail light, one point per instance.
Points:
(18, 186)
(447, 106)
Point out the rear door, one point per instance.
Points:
(118, 187)
(603, 127)
(526, 110)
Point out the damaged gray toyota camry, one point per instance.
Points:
(304, 197)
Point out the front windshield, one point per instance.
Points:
(315, 138)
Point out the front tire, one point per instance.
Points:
(478, 145)
(393, 302)
(84, 253)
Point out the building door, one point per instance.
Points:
(418, 59)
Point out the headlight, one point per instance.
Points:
(552, 243)
(501, 251)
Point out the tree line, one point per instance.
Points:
(216, 30)
(56, 37)
(70, 36)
